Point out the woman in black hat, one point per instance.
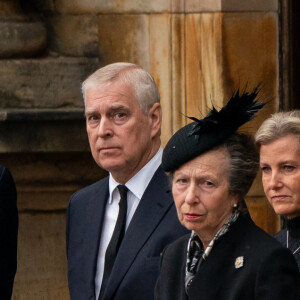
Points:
(226, 256)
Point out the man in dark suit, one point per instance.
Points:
(8, 233)
(111, 256)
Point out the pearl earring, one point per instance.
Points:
(235, 205)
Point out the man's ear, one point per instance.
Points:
(155, 118)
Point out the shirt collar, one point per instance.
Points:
(139, 182)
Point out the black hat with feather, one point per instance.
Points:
(203, 135)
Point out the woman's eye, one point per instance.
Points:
(181, 180)
(208, 183)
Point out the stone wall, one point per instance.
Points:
(199, 52)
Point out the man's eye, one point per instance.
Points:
(289, 168)
(92, 118)
(120, 115)
(265, 169)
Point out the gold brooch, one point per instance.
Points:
(239, 262)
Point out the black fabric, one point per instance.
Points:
(293, 225)
(116, 239)
(183, 147)
(8, 233)
(268, 271)
(209, 132)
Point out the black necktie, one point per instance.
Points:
(116, 239)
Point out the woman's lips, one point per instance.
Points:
(191, 216)
(279, 198)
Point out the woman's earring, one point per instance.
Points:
(235, 205)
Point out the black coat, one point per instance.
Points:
(8, 233)
(293, 226)
(269, 271)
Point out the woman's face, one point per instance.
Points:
(200, 190)
(280, 165)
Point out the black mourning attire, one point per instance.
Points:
(244, 262)
(290, 237)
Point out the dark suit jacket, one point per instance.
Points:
(8, 233)
(153, 226)
(269, 271)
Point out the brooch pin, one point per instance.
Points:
(239, 262)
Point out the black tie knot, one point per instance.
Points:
(123, 191)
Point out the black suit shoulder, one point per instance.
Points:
(84, 193)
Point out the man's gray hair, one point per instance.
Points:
(145, 88)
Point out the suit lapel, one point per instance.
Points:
(154, 204)
(95, 216)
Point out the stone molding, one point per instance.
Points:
(161, 6)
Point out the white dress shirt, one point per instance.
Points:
(136, 188)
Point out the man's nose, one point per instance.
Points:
(105, 128)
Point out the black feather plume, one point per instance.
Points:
(239, 110)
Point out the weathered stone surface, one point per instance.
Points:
(43, 83)
(156, 6)
(73, 35)
(160, 56)
(22, 39)
(263, 214)
(204, 57)
(67, 171)
(178, 101)
(250, 58)
(112, 6)
(249, 5)
(44, 6)
(195, 6)
(44, 136)
(10, 11)
(42, 264)
(224, 52)
(128, 41)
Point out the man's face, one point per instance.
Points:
(120, 134)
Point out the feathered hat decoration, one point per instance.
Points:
(207, 133)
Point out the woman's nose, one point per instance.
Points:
(192, 195)
(275, 180)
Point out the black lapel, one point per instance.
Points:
(96, 204)
(154, 204)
